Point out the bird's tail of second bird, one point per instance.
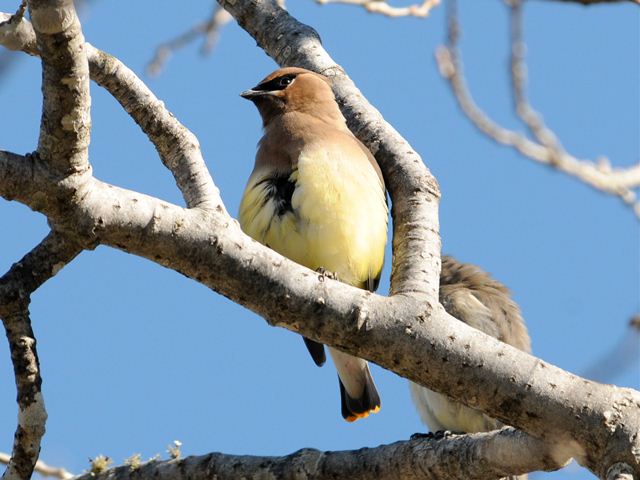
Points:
(358, 394)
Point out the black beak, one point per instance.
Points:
(251, 94)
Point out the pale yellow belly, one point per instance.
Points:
(338, 222)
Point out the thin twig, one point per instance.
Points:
(531, 118)
(209, 29)
(42, 468)
(383, 8)
(547, 149)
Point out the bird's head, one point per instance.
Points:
(294, 89)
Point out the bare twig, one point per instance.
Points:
(383, 8)
(209, 29)
(42, 468)
(546, 149)
(532, 119)
(16, 287)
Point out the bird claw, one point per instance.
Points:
(439, 435)
(326, 274)
(421, 436)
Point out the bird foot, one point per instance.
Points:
(421, 436)
(439, 435)
(326, 274)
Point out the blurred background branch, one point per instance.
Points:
(383, 8)
(42, 468)
(209, 30)
(546, 148)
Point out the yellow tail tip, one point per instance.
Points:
(357, 416)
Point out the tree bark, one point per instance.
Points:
(408, 333)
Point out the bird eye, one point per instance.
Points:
(284, 81)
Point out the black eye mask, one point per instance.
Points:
(278, 83)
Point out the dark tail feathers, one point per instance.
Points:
(356, 408)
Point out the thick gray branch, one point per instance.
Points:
(594, 422)
(477, 456)
(210, 248)
(66, 119)
(16, 287)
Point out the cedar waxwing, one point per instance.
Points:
(316, 196)
(472, 296)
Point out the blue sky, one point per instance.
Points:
(134, 356)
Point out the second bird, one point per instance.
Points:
(316, 196)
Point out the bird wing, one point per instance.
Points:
(316, 350)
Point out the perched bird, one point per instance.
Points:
(316, 196)
(472, 296)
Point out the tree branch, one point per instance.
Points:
(16, 287)
(476, 456)
(408, 333)
(15, 173)
(414, 191)
(383, 8)
(390, 331)
(209, 29)
(177, 147)
(619, 182)
(66, 119)
(42, 468)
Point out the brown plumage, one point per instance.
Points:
(316, 196)
(472, 296)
